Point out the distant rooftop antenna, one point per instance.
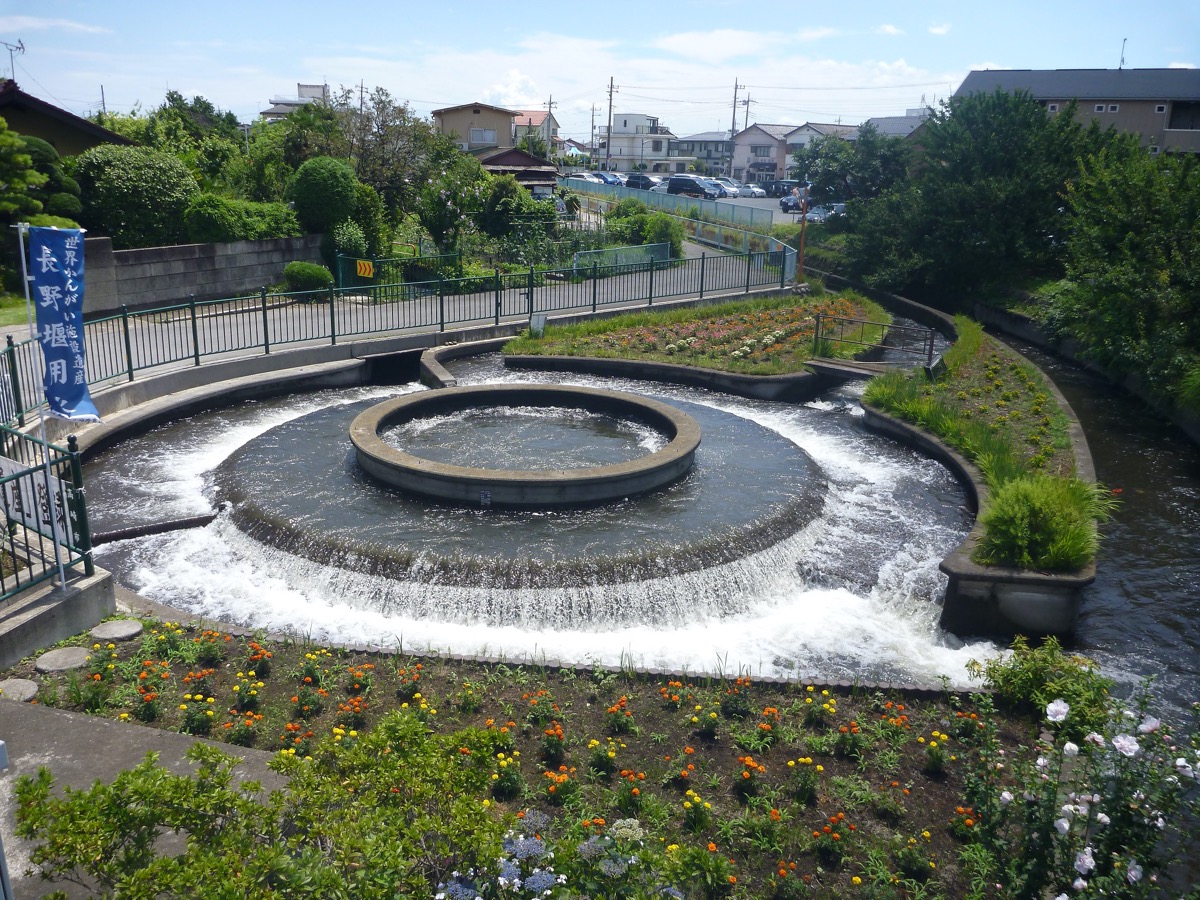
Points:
(1122, 65)
(18, 47)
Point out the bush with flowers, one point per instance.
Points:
(1087, 818)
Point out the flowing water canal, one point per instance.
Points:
(852, 594)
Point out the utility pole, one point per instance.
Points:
(612, 89)
(592, 137)
(550, 104)
(746, 120)
(103, 106)
(733, 125)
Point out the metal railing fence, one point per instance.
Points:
(45, 513)
(133, 341)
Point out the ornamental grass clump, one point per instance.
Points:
(1044, 523)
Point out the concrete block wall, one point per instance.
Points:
(160, 276)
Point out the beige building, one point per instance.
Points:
(476, 126)
(1160, 105)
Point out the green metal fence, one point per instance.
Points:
(121, 346)
(45, 513)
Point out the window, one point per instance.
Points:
(483, 135)
(1099, 107)
(1153, 150)
(1160, 108)
(656, 146)
(1112, 107)
(1052, 107)
(760, 151)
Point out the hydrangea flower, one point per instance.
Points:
(1070, 749)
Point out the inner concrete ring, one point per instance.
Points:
(524, 488)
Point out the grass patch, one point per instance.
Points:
(769, 335)
(997, 410)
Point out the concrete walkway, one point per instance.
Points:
(79, 750)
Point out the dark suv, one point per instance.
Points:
(779, 188)
(641, 182)
(691, 186)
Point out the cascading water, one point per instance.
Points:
(850, 593)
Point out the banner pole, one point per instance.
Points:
(51, 508)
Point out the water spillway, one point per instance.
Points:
(799, 544)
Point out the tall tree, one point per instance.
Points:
(986, 205)
(392, 149)
(841, 170)
(1133, 263)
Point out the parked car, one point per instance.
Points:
(691, 186)
(752, 190)
(732, 188)
(609, 178)
(586, 177)
(716, 186)
(641, 182)
(660, 188)
(779, 188)
(790, 203)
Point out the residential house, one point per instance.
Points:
(900, 126)
(1160, 105)
(760, 152)
(799, 138)
(538, 176)
(66, 132)
(639, 141)
(712, 150)
(540, 122)
(305, 94)
(476, 126)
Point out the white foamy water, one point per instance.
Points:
(852, 596)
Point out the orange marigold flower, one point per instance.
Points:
(712, 848)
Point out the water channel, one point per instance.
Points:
(852, 595)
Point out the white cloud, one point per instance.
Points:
(889, 30)
(1181, 65)
(33, 23)
(940, 30)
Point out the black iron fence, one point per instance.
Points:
(45, 515)
(121, 346)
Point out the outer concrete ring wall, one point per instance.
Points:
(508, 487)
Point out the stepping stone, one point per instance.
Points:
(19, 690)
(63, 659)
(117, 630)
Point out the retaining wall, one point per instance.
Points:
(161, 276)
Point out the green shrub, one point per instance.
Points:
(624, 209)
(306, 276)
(1042, 522)
(370, 216)
(324, 193)
(135, 195)
(213, 219)
(1029, 678)
(66, 205)
(347, 238)
(1189, 389)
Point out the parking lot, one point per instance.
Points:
(772, 203)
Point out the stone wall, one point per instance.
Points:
(161, 276)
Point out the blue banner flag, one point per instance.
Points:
(56, 284)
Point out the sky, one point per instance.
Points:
(795, 63)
